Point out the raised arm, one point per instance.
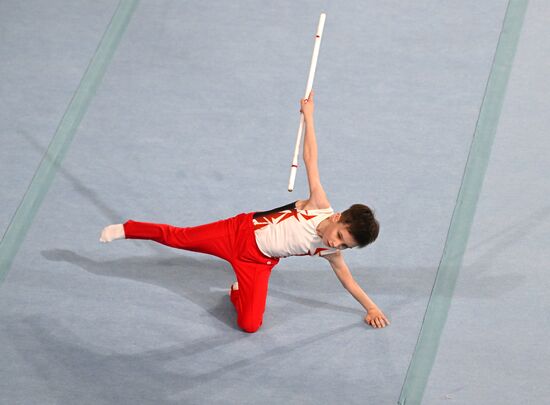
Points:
(317, 195)
(375, 317)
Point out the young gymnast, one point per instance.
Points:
(254, 242)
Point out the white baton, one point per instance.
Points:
(309, 86)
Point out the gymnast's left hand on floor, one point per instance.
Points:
(376, 318)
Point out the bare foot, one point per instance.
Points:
(112, 232)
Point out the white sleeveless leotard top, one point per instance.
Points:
(288, 231)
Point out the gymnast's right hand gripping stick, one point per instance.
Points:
(309, 85)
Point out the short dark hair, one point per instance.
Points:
(361, 224)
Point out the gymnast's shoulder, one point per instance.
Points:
(313, 204)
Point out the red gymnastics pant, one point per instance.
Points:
(230, 239)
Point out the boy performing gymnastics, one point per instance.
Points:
(253, 243)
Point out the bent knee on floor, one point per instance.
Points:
(250, 325)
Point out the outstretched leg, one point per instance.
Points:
(214, 238)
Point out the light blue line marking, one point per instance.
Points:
(461, 222)
(44, 175)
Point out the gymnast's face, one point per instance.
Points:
(336, 234)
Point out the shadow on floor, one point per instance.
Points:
(69, 366)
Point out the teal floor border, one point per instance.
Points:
(437, 310)
(45, 173)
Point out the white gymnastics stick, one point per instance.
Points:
(309, 85)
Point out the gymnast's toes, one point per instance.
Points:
(112, 232)
(234, 286)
